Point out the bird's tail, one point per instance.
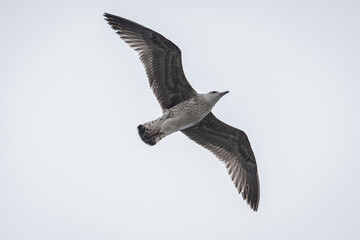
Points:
(150, 132)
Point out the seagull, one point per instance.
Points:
(186, 110)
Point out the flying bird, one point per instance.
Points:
(186, 110)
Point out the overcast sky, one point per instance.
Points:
(72, 165)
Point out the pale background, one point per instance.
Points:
(72, 94)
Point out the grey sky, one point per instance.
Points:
(72, 165)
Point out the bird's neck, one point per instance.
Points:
(208, 100)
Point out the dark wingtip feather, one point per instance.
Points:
(252, 194)
(107, 16)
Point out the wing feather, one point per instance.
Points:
(161, 59)
(231, 146)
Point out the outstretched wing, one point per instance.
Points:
(231, 146)
(161, 58)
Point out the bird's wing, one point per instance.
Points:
(161, 58)
(231, 146)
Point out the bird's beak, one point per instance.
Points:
(223, 93)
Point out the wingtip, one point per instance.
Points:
(252, 204)
(251, 193)
(107, 16)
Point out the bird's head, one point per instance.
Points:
(213, 96)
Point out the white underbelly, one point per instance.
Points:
(184, 115)
(182, 121)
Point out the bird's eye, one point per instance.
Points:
(213, 92)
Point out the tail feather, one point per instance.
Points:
(150, 132)
(145, 136)
(150, 135)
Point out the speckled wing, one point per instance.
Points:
(231, 146)
(161, 58)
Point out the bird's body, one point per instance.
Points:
(182, 116)
(186, 110)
